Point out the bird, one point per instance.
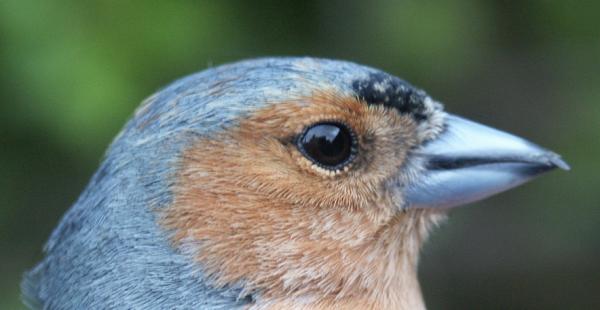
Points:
(274, 183)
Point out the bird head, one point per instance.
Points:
(304, 182)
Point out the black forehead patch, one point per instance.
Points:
(390, 91)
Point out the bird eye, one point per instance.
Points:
(330, 145)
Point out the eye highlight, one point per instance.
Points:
(330, 145)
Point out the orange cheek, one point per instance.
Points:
(251, 203)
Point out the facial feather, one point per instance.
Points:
(260, 214)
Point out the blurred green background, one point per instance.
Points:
(73, 71)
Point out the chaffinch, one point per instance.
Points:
(275, 183)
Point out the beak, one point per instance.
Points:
(470, 161)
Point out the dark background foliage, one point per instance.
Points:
(73, 71)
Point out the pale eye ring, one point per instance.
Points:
(330, 145)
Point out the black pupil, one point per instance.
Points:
(328, 144)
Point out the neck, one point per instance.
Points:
(307, 258)
(407, 296)
(381, 273)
